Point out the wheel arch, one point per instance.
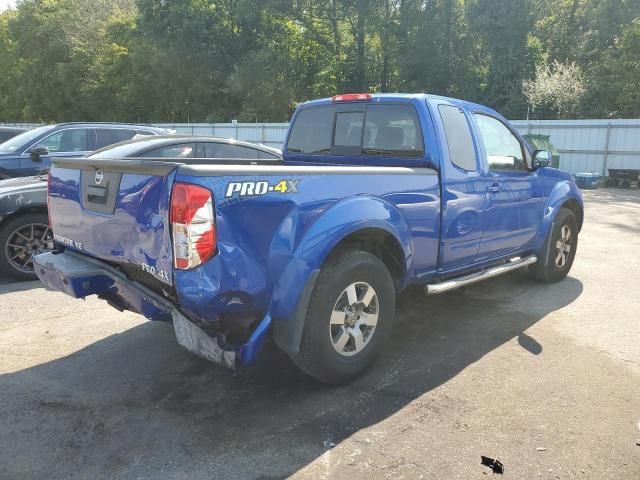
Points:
(6, 217)
(364, 222)
(565, 194)
(379, 242)
(573, 205)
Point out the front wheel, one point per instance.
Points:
(351, 311)
(21, 238)
(559, 249)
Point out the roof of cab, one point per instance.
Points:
(406, 97)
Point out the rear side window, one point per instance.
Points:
(109, 136)
(378, 130)
(182, 150)
(312, 131)
(459, 141)
(145, 133)
(267, 156)
(226, 150)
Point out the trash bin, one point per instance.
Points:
(542, 142)
(587, 180)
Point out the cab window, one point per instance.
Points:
(312, 131)
(459, 142)
(392, 130)
(380, 130)
(504, 150)
(348, 129)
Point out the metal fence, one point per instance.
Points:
(584, 145)
(271, 134)
(590, 145)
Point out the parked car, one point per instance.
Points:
(31, 152)
(375, 193)
(24, 226)
(9, 132)
(189, 147)
(23, 201)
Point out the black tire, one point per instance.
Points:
(318, 357)
(547, 269)
(7, 230)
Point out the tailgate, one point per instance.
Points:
(115, 210)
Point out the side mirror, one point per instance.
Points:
(38, 152)
(541, 159)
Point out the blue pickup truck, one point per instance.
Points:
(375, 193)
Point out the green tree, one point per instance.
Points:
(206, 60)
(615, 78)
(557, 89)
(500, 29)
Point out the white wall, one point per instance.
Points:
(589, 145)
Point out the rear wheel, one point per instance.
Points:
(350, 313)
(22, 238)
(559, 250)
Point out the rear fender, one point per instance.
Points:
(562, 192)
(293, 288)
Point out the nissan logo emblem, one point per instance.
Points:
(99, 177)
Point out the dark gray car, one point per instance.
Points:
(9, 132)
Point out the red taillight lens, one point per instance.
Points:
(352, 97)
(193, 226)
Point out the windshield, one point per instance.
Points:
(18, 142)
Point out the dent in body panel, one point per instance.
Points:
(136, 232)
(268, 245)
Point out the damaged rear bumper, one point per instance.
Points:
(80, 276)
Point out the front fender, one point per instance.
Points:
(561, 193)
(338, 222)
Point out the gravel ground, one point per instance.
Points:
(544, 377)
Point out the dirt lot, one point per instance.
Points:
(546, 378)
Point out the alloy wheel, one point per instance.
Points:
(354, 319)
(25, 242)
(563, 246)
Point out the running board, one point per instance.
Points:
(513, 264)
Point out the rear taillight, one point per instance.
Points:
(352, 97)
(193, 226)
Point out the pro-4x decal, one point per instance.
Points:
(252, 189)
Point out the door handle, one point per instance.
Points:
(494, 188)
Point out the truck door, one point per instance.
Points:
(464, 191)
(515, 194)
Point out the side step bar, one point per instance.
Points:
(513, 264)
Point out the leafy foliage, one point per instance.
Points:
(214, 60)
(558, 89)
